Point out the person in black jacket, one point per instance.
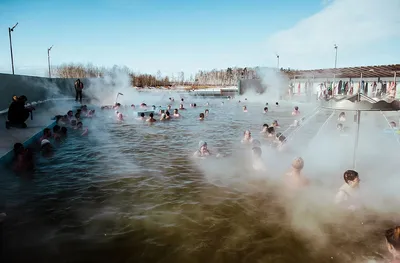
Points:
(18, 113)
(78, 90)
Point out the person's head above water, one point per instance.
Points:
(18, 148)
(392, 236)
(265, 109)
(342, 114)
(351, 178)
(201, 115)
(151, 115)
(247, 134)
(56, 129)
(339, 126)
(298, 163)
(266, 104)
(256, 151)
(296, 108)
(271, 130)
(142, 114)
(393, 124)
(176, 111)
(206, 111)
(256, 143)
(79, 125)
(276, 103)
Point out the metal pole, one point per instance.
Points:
(359, 90)
(356, 141)
(11, 50)
(336, 47)
(48, 59)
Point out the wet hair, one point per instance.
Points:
(247, 131)
(393, 124)
(257, 151)
(206, 110)
(64, 130)
(201, 115)
(298, 163)
(77, 115)
(46, 130)
(78, 111)
(194, 105)
(176, 110)
(79, 123)
(265, 108)
(142, 114)
(18, 147)
(392, 236)
(256, 143)
(70, 111)
(151, 115)
(342, 114)
(244, 107)
(181, 99)
(276, 103)
(265, 125)
(56, 128)
(296, 108)
(271, 130)
(167, 113)
(350, 175)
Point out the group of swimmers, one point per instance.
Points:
(23, 159)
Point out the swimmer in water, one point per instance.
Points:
(244, 109)
(46, 148)
(347, 194)
(392, 236)
(276, 103)
(280, 140)
(181, 107)
(201, 116)
(167, 115)
(169, 107)
(271, 132)
(247, 137)
(117, 106)
(142, 117)
(340, 127)
(266, 104)
(90, 114)
(162, 117)
(144, 105)
(151, 118)
(294, 179)
(258, 164)
(46, 134)
(265, 109)
(153, 107)
(120, 117)
(296, 111)
(264, 128)
(275, 124)
(202, 151)
(393, 125)
(206, 112)
(132, 106)
(70, 114)
(79, 126)
(342, 117)
(176, 113)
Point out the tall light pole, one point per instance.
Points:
(336, 47)
(48, 59)
(277, 57)
(11, 51)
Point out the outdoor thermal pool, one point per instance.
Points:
(131, 192)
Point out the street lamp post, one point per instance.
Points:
(336, 47)
(11, 51)
(277, 57)
(48, 59)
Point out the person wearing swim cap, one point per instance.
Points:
(294, 179)
(46, 148)
(202, 151)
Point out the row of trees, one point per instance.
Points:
(224, 77)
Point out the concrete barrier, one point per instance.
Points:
(35, 88)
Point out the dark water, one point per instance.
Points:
(129, 192)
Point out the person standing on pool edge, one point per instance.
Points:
(78, 90)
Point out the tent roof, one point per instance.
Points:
(364, 103)
(353, 72)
